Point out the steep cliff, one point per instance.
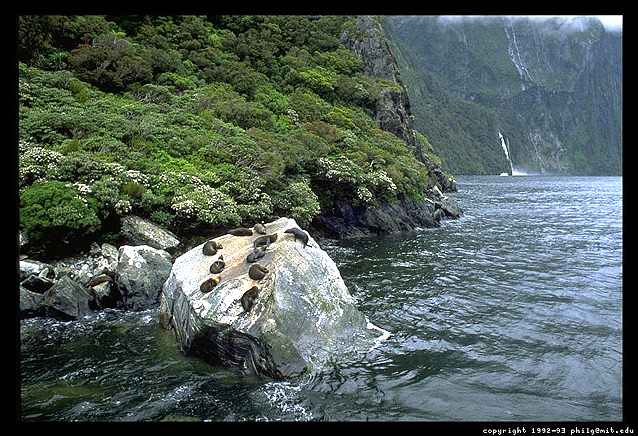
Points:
(368, 40)
(545, 94)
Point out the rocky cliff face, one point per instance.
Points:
(392, 113)
(551, 89)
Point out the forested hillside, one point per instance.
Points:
(197, 123)
(552, 88)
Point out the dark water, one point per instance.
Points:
(511, 313)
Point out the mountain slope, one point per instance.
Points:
(553, 90)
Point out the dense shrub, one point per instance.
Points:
(199, 122)
(112, 63)
(52, 212)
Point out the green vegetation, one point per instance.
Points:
(197, 123)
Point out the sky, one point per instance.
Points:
(611, 22)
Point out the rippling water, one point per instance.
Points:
(511, 313)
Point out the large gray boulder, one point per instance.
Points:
(302, 316)
(139, 231)
(67, 299)
(140, 274)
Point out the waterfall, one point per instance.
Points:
(507, 155)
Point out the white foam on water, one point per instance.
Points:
(384, 334)
(284, 396)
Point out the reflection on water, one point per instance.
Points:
(511, 313)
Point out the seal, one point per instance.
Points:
(208, 284)
(257, 272)
(241, 231)
(256, 254)
(265, 240)
(210, 248)
(218, 266)
(260, 228)
(249, 297)
(299, 234)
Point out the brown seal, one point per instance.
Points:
(299, 234)
(210, 248)
(257, 272)
(241, 231)
(208, 284)
(265, 240)
(249, 297)
(218, 266)
(256, 254)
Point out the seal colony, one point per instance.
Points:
(256, 271)
(290, 307)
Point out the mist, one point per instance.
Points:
(612, 23)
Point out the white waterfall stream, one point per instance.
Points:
(507, 154)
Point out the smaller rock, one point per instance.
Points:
(95, 249)
(37, 283)
(31, 304)
(450, 208)
(22, 239)
(104, 295)
(140, 274)
(67, 299)
(139, 231)
(29, 267)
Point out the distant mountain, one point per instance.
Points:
(551, 88)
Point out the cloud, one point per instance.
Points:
(610, 22)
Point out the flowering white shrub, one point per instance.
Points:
(349, 138)
(138, 177)
(364, 195)
(298, 201)
(36, 163)
(380, 181)
(294, 116)
(122, 207)
(207, 205)
(341, 170)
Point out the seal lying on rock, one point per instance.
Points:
(241, 231)
(249, 297)
(265, 240)
(260, 228)
(210, 248)
(218, 266)
(257, 272)
(209, 284)
(256, 254)
(299, 234)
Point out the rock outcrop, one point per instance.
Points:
(139, 231)
(300, 315)
(67, 299)
(130, 278)
(140, 274)
(348, 221)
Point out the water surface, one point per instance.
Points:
(511, 313)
